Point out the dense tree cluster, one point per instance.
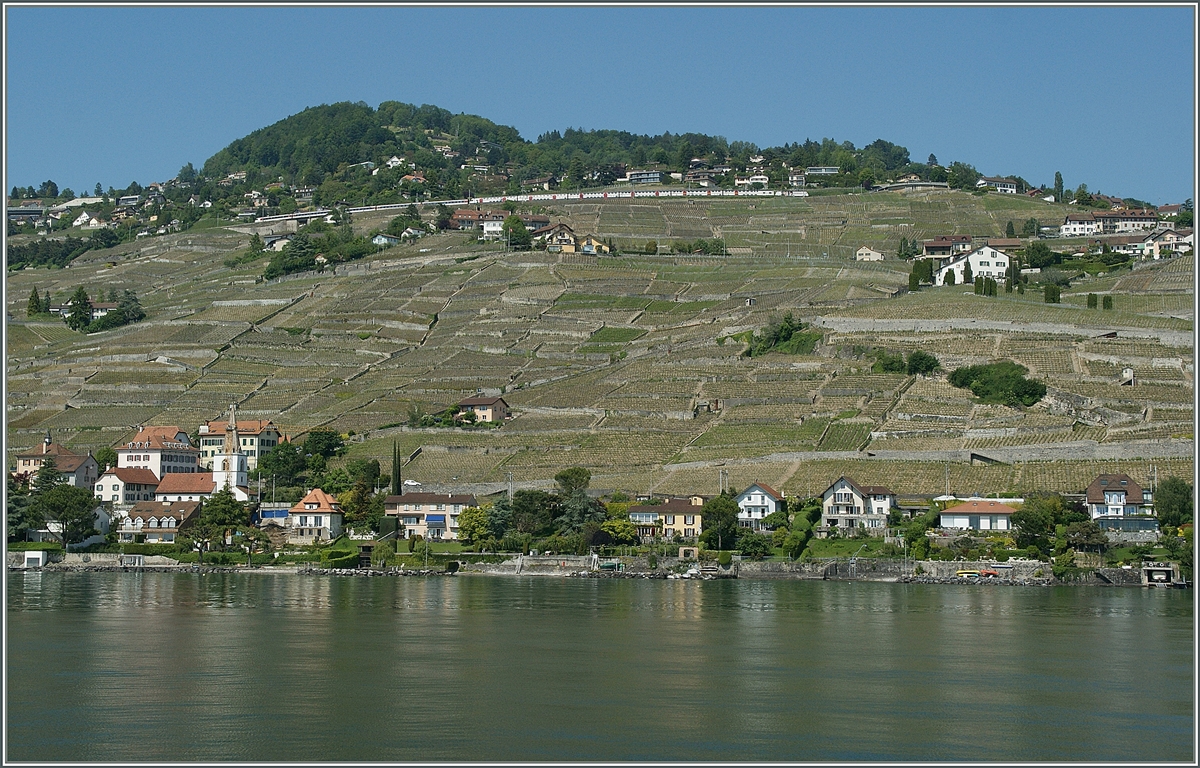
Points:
(1002, 382)
(787, 336)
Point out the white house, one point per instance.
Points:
(985, 261)
(796, 178)
(316, 517)
(846, 505)
(755, 503)
(385, 240)
(1118, 502)
(161, 450)
(125, 486)
(867, 254)
(1005, 186)
(978, 515)
(1079, 225)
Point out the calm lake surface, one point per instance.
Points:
(190, 667)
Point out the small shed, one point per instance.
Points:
(36, 558)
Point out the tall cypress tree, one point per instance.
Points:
(395, 469)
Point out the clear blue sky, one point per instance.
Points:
(1104, 95)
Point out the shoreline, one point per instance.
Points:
(394, 572)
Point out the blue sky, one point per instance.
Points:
(1104, 95)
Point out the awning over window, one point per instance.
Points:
(431, 519)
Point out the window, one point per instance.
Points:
(689, 519)
(670, 520)
(317, 521)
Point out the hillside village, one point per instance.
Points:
(691, 352)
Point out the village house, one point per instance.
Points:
(314, 519)
(1167, 211)
(756, 502)
(385, 240)
(945, 246)
(673, 518)
(592, 245)
(1116, 222)
(1004, 186)
(822, 170)
(256, 437)
(125, 486)
(486, 409)
(79, 471)
(186, 486)
(559, 238)
(156, 522)
(161, 450)
(985, 261)
(867, 253)
(545, 183)
(1079, 225)
(796, 179)
(1118, 503)
(978, 515)
(1165, 242)
(846, 505)
(428, 515)
(644, 177)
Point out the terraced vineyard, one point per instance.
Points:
(633, 365)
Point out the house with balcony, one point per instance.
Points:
(866, 253)
(846, 505)
(644, 177)
(756, 502)
(1116, 502)
(671, 519)
(156, 522)
(428, 515)
(315, 518)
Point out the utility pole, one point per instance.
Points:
(510, 486)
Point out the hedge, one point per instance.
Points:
(34, 546)
(349, 560)
(150, 549)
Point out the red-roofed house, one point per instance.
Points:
(978, 515)
(186, 486)
(756, 502)
(316, 517)
(125, 486)
(79, 471)
(486, 408)
(161, 450)
(846, 505)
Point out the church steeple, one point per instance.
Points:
(232, 443)
(230, 468)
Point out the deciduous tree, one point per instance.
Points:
(719, 523)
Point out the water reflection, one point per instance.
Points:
(209, 667)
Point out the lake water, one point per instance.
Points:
(214, 667)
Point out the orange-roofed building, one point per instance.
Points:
(161, 450)
(315, 518)
(978, 515)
